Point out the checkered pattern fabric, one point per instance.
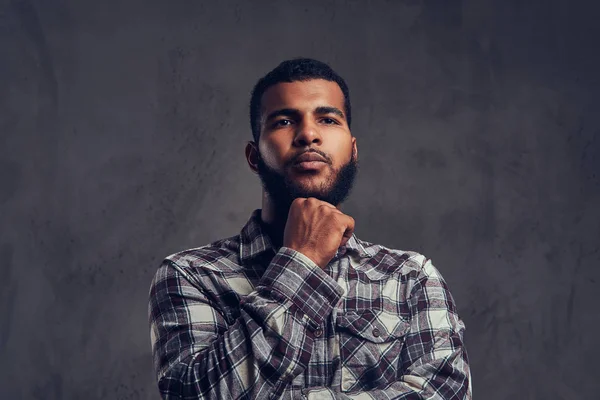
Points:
(240, 319)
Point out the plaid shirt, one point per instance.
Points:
(240, 319)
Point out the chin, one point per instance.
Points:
(306, 193)
(312, 186)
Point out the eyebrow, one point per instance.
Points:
(292, 112)
(330, 110)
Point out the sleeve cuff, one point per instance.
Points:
(297, 278)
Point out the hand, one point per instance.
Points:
(316, 229)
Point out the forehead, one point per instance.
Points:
(302, 95)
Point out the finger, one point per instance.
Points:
(349, 230)
(350, 224)
(324, 203)
(345, 240)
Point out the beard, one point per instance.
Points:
(283, 190)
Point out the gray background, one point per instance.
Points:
(123, 126)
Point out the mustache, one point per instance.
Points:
(293, 160)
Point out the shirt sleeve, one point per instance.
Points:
(198, 355)
(434, 361)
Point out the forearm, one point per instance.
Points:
(247, 358)
(396, 391)
(261, 351)
(444, 378)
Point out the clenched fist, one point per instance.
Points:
(316, 229)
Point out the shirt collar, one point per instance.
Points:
(254, 240)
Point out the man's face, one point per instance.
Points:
(297, 118)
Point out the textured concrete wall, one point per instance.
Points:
(122, 131)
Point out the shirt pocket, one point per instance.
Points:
(370, 344)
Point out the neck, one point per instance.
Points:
(274, 221)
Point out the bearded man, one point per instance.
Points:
(297, 306)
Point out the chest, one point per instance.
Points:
(360, 343)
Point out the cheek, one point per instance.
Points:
(343, 158)
(270, 153)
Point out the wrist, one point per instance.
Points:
(309, 254)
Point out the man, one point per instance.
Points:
(296, 306)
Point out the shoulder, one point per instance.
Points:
(420, 280)
(219, 256)
(382, 262)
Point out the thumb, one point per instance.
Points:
(347, 235)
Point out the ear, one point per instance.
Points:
(252, 156)
(354, 148)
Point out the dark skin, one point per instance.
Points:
(297, 117)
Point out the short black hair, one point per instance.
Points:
(297, 69)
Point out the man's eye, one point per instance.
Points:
(329, 121)
(282, 122)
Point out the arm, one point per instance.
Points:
(199, 355)
(434, 362)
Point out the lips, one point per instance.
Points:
(306, 157)
(309, 161)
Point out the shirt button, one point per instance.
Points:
(318, 332)
(376, 332)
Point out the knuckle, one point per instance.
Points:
(298, 201)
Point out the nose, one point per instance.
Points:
(307, 133)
